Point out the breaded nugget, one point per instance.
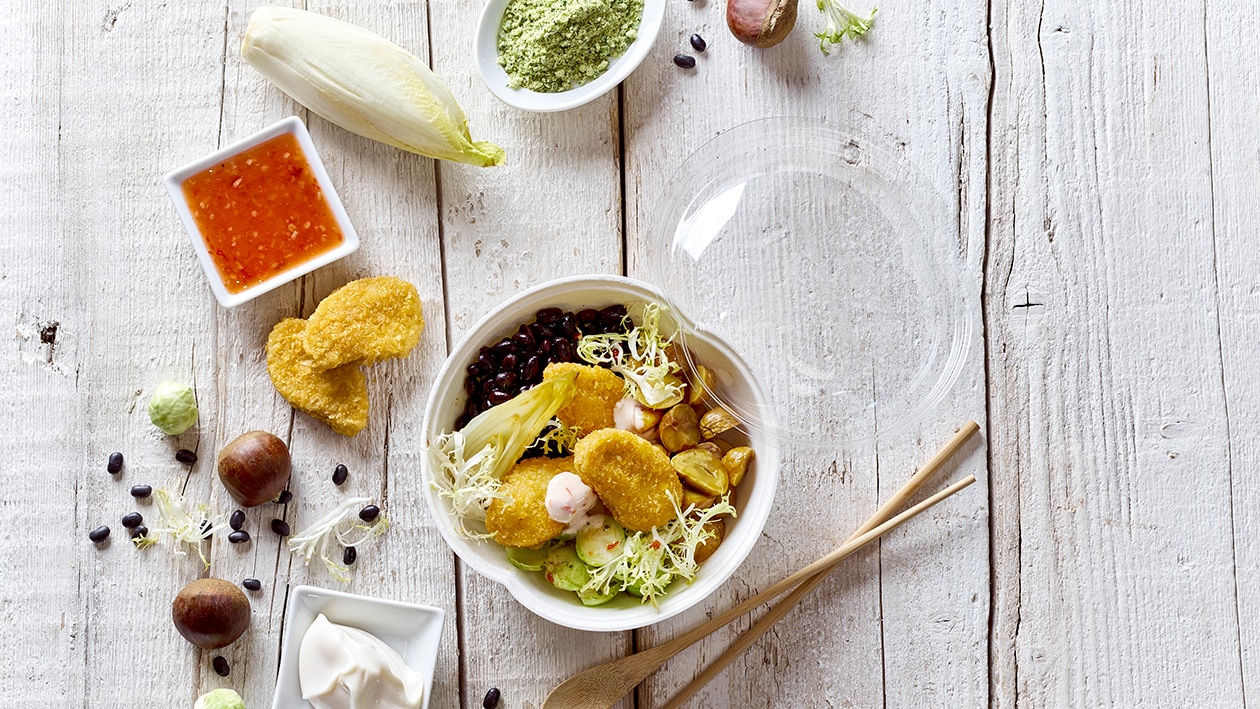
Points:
(598, 391)
(632, 477)
(524, 521)
(338, 397)
(364, 322)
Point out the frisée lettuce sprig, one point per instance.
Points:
(841, 22)
(641, 357)
(342, 525)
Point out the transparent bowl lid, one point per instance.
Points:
(830, 264)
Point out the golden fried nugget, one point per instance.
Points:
(598, 391)
(364, 322)
(524, 522)
(338, 397)
(632, 477)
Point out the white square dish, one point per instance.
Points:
(415, 631)
(174, 182)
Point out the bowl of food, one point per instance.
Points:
(543, 56)
(574, 454)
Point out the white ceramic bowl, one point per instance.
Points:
(753, 498)
(413, 630)
(175, 179)
(486, 52)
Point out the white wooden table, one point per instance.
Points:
(1101, 164)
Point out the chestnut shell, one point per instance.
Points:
(254, 468)
(211, 613)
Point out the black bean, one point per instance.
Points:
(532, 369)
(470, 385)
(492, 699)
(280, 527)
(99, 534)
(369, 513)
(140, 491)
(486, 362)
(463, 420)
(524, 338)
(563, 350)
(505, 380)
(284, 498)
(569, 323)
(587, 317)
(698, 43)
(238, 537)
(131, 520)
(185, 456)
(685, 61)
(339, 474)
(114, 466)
(349, 556)
(221, 666)
(549, 315)
(502, 348)
(252, 584)
(139, 532)
(509, 361)
(204, 527)
(498, 396)
(237, 520)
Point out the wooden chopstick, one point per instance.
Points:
(789, 602)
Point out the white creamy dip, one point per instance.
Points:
(568, 500)
(340, 667)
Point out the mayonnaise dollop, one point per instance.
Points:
(340, 667)
(568, 500)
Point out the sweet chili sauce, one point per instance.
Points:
(261, 212)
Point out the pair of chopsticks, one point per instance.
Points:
(879, 523)
(600, 687)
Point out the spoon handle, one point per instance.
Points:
(763, 624)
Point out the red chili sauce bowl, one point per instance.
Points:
(261, 212)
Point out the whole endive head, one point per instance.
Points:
(362, 82)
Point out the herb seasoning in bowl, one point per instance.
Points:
(552, 55)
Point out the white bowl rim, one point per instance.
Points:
(486, 55)
(174, 181)
(572, 614)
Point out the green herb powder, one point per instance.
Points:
(554, 45)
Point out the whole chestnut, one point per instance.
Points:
(254, 468)
(210, 613)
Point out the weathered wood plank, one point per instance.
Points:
(905, 623)
(1114, 565)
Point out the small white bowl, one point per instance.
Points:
(753, 498)
(174, 181)
(413, 630)
(486, 52)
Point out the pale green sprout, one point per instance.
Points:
(653, 560)
(176, 518)
(220, 699)
(343, 526)
(173, 408)
(841, 23)
(640, 357)
(469, 463)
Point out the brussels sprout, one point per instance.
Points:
(220, 699)
(173, 408)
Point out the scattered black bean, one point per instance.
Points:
(141, 491)
(185, 456)
(221, 666)
(340, 473)
(99, 534)
(131, 520)
(685, 61)
(280, 527)
(237, 520)
(238, 537)
(252, 584)
(698, 43)
(369, 513)
(115, 463)
(492, 699)
(349, 556)
(285, 497)
(204, 527)
(140, 531)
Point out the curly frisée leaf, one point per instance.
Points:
(651, 561)
(343, 526)
(640, 357)
(841, 23)
(188, 529)
(469, 463)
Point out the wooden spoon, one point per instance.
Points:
(600, 687)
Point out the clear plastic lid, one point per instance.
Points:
(830, 264)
